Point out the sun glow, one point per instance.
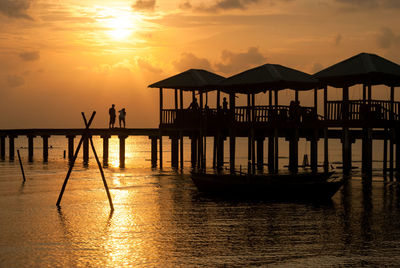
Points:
(119, 24)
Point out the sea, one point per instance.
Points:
(161, 220)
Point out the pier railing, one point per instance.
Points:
(359, 110)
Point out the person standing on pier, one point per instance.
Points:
(121, 117)
(112, 114)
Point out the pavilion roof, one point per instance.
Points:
(193, 79)
(364, 68)
(268, 77)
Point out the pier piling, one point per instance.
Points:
(11, 147)
(122, 150)
(30, 147)
(153, 151)
(174, 151)
(2, 147)
(85, 149)
(45, 147)
(105, 149)
(70, 146)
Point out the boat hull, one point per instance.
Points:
(277, 187)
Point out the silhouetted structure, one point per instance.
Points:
(345, 119)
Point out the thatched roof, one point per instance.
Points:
(364, 68)
(193, 79)
(268, 77)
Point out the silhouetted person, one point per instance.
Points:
(112, 114)
(194, 105)
(224, 104)
(121, 117)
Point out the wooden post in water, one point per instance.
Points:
(314, 151)
(385, 144)
(85, 149)
(45, 147)
(326, 116)
(260, 152)
(70, 146)
(21, 166)
(271, 153)
(11, 147)
(105, 149)
(30, 147)
(220, 152)
(346, 145)
(161, 122)
(153, 151)
(193, 142)
(391, 154)
(232, 137)
(174, 151)
(182, 123)
(122, 150)
(276, 137)
(294, 150)
(2, 147)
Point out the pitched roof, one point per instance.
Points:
(193, 79)
(268, 77)
(364, 68)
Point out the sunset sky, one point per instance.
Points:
(61, 57)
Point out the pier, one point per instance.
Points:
(365, 119)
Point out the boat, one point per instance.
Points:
(302, 186)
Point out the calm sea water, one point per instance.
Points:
(160, 220)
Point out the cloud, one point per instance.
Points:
(338, 39)
(190, 61)
(122, 66)
(356, 5)
(15, 8)
(144, 5)
(235, 62)
(143, 64)
(226, 5)
(386, 38)
(29, 56)
(15, 80)
(185, 5)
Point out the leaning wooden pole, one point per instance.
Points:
(73, 162)
(102, 175)
(22, 167)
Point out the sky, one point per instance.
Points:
(59, 58)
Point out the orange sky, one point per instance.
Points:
(61, 57)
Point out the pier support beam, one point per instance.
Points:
(193, 142)
(2, 147)
(85, 150)
(153, 151)
(346, 151)
(122, 150)
(391, 154)
(367, 151)
(45, 148)
(181, 146)
(70, 146)
(105, 149)
(294, 151)
(30, 147)
(276, 151)
(326, 147)
(260, 153)
(174, 151)
(220, 152)
(271, 154)
(314, 151)
(232, 150)
(385, 145)
(11, 147)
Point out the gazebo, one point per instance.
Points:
(368, 70)
(271, 78)
(191, 80)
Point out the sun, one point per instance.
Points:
(119, 23)
(120, 27)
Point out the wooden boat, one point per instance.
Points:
(303, 186)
